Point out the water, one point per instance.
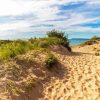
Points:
(77, 41)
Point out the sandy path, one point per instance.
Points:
(82, 82)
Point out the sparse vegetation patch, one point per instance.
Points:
(97, 53)
(50, 61)
(10, 49)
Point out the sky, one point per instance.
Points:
(31, 18)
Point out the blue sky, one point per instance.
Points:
(29, 18)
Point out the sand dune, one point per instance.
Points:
(77, 78)
(81, 82)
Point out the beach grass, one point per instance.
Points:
(10, 49)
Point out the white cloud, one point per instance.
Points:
(93, 2)
(43, 11)
(82, 29)
(14, 26)
(20, 7)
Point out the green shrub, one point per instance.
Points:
(57, 34)
(14, 48)
(50, 61)
(97, 54)
(9, 49)
(64, 40)
(4, 42)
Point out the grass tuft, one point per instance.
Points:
(50, 61)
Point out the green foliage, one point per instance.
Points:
(97, 54)
(50, 61)
(43, 44)
(4, 42)
(9, 49)
(53, 40)
(14, 48)
(57, 34)
(60, 35)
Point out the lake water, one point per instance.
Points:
(74, 42)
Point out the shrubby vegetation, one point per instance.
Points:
(45, 42)
(57, 34)
(9, 49)
(60, 35)
(19, 72)
(50, 61)
(97, 54)
(4, 42)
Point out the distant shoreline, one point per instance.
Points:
(73, 41)
(77, 41)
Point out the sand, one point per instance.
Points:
(77, 79)
(88, 48)
(81, 80)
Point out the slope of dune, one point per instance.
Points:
(81, 80)
(76, 76)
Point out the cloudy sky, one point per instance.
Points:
(28, 18)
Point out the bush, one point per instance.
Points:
(14, 48)
(57, 34)
(4, 42)
(97, 54)
(50, 61)
(64, 40)
(9, 49)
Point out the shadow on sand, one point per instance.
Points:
(78, 53)
(58, 71)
